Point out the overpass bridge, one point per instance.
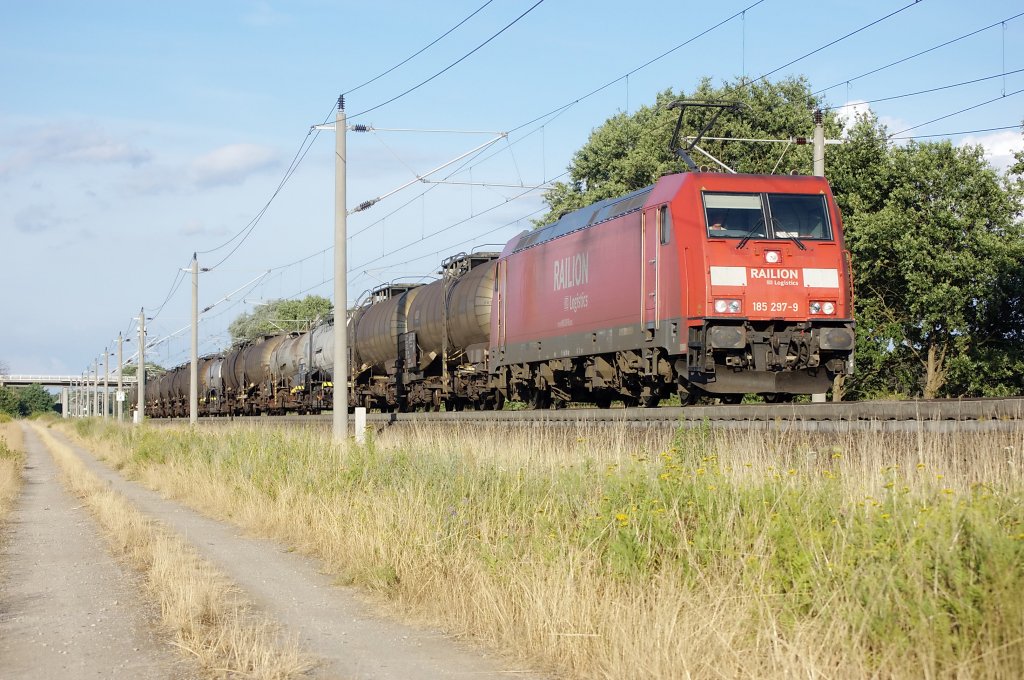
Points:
(56, 380)
(80, 396)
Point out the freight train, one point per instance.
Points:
(700, 285)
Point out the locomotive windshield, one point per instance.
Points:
(775, 216)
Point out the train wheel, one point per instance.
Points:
(540, 399)
(496, 403)
(650, 402)
(603, 401)
(730, 398)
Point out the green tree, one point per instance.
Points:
(279, 316)
(34, 399)
(937, 249)
(629, 152)
(152, 370)
(9, 402)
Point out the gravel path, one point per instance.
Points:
(331, 623)
(68, 609)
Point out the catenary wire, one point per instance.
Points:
(933, 89)
(963, 132)
(418, 53)
(950, 115)
(918, 54)
(451, 65)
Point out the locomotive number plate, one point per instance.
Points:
(776, 307)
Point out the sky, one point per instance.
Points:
(134, 133)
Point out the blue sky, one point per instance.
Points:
(134, 133)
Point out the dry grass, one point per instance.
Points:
(206, 614)
(12, 459)
(613, 553)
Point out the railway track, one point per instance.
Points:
(961, 415)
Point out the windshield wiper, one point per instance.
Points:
(798, 242)
(750, 234)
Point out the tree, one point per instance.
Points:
(278, 316)
(34, 399)
(629, 152)
(152, 370)
(937, 250)
(9, 402)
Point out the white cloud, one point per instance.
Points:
(848, 113)
(232, 164)
(999, 146)
(67, 143)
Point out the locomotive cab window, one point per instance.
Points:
(799, 216)
(734, 215)
(767, 216)
(664, 224)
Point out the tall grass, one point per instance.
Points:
(12, 460)
(623, 553)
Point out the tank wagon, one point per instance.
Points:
(702, 284)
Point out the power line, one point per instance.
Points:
(933, 89)
(918, 54)
(421, 51)
(686, 42)
(950, 115)
(962, 132)
(833, 42)
(451, 65)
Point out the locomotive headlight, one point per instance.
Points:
(772, 256)
(826, 308)
(727, 306)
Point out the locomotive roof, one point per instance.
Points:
(595, 213)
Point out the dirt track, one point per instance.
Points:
(67, 608)
(331, 623)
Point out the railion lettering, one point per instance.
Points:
(775, 273)
(572, 271)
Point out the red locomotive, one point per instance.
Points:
(704, 283)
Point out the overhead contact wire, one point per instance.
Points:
(451, 65)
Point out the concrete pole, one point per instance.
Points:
(340, 377)
(819, 145)
(96, 386)
(64, 402)
(140, 412)
(120, 378)
(193, 389)
(819, 171)
(106, 382)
